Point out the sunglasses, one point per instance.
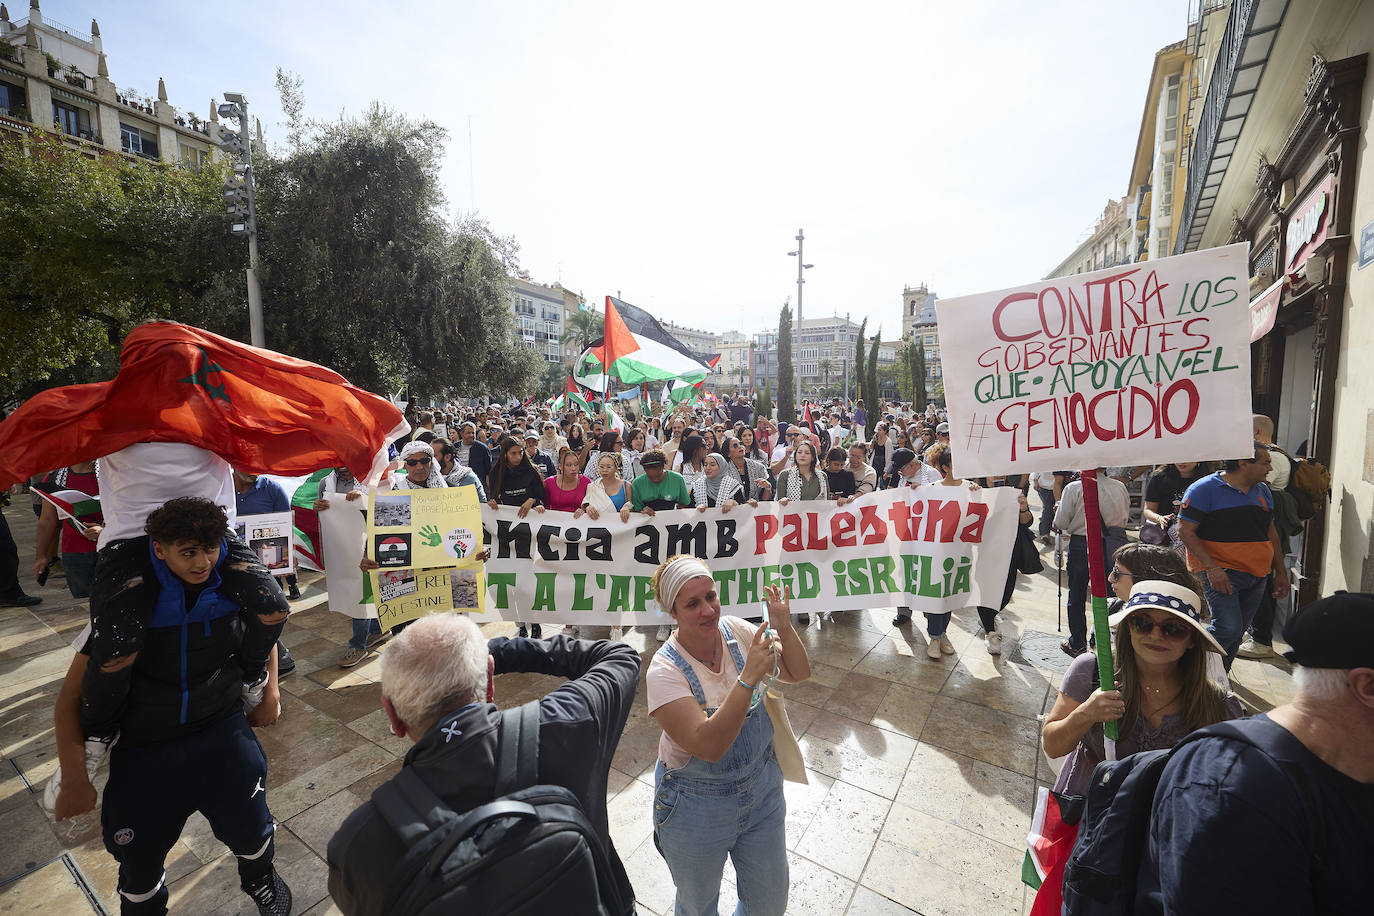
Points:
(1119, 573)
(411, 462)
(1169, 629)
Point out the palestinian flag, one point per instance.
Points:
(306, 521)
(70, 504)
(1048, 846)
(635, 349)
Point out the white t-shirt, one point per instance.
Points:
(665, 683)
(837, 434)
(779, 453)
(139, 478)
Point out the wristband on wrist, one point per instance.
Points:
(741, 682)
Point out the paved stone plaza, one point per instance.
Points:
(923, 773)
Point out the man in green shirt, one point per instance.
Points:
(658, 488)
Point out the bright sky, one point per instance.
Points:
(670, 152)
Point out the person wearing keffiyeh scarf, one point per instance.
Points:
(714, 487)
(421, 470)
(751, 474)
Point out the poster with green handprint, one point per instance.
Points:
(438, 528)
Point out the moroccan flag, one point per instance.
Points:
(1048, 846)
(262, 412)
(70, 504)
(634, 349)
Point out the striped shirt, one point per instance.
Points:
(1232, 526)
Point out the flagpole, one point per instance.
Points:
(1097, 580)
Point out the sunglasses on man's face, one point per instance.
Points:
(411, 462)
(1169, 629)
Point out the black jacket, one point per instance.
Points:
(579, 727)
(479, 459)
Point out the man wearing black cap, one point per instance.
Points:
(1220, 802)
(910, 471)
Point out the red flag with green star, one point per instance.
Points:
(263, 412)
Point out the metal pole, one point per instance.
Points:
(796, 333)
(846, 361)
(255, 328)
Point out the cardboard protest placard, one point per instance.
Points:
(406, 594)
(1137, 364)
(409, 529)
(422, 539)
(269, 536)
(933, 549)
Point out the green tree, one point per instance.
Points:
(918, 379)
(763, 403)
(787, 407)
(92, 249)
(872, 384)
(859, 379)
(584, 327)
(361, 272)
(825, 366)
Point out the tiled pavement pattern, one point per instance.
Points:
(923, 772)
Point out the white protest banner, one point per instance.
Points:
(1137, 364)
(934, 549)
(269, 536)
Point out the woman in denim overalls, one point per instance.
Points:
(718, 786)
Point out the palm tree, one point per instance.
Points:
(584, 327)
(825, 367)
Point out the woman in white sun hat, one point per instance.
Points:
(1162, 688)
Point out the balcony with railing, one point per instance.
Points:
(1251, 28)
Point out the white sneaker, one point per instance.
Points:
(1252, 649)
(946, 646)
(252, 694)
(933, 647)
(96, 752)
(994, 643)
(663, 633)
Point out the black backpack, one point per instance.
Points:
(530, 851)
(1101, 875)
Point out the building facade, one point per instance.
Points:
(735, 369)
(918, 326)
(1276, 159)
(1107, 245)
(824, 352)
(1159, 170)
(701, 343)
(56, 79)
(539, 313)
(573, 302)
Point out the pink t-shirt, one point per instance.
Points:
(666, 683)
(561, 500)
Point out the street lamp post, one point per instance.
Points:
(846, 358)
(796, 333)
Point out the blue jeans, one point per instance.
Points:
(362, 628)
(1232, 613)
(936, 624)
(705, 811)
(1046, 509)
(80, 570)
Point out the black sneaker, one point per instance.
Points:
(901, 620)
(293, 592)
(536, 631)
(271, 895)
(20, 600)
(804, 619)
(522, 631)
(285, 663)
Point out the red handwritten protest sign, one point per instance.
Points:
(1136, 364)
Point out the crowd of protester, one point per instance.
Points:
(1207, 585)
